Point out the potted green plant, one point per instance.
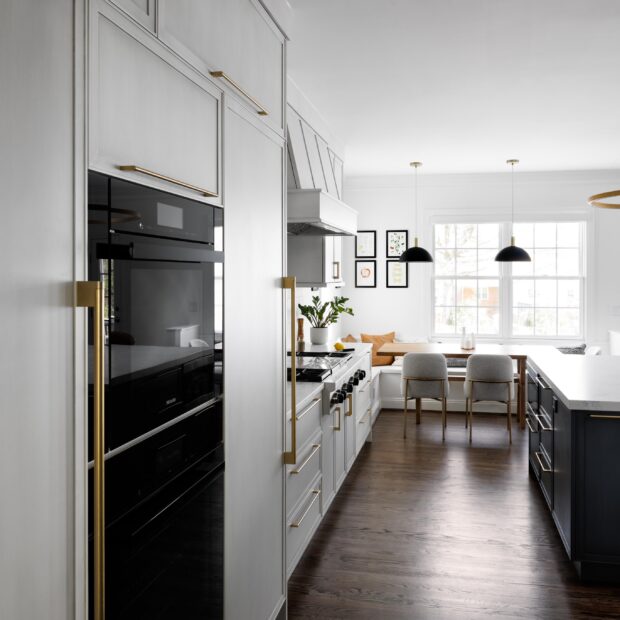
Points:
(322, 315)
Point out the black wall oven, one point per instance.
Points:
(159, 258)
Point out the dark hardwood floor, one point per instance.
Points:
(424, 530)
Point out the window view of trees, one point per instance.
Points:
(542, 298)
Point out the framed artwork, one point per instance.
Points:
(396, 274)
(396, 242)
(366, 244)
(365, 273)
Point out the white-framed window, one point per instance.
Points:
(543, 299)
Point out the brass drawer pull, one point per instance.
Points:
(163, 177)
(316, 493)
(363, 420)
(604, 417)
(350, 401)
(542, 465)
(315, 448)
(223, 76)
(336, 270)
(529, 425)
(308, 408)
(540, 419)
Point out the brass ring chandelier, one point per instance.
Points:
(597, 200)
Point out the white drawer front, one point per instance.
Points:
(299, 477)
(308, 424)
(301, 526)
(363, 422)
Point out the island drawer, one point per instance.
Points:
(301, 525)
(300, 476)
(308, 422)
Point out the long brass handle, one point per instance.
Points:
(339, 410)
(350, 400)
(316, 493)
(541, 422)
(315, 449)
(604, 417)
(308, 408)
(223, 76)
(90, 295)
(529, 425)
(336, 270)
(542, 465)
(290, 457)
(163, 177)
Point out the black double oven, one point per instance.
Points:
(160, 260)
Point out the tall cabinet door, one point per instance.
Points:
(253, 353)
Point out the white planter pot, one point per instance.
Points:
(319, 335)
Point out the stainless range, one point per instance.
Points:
(317, 366)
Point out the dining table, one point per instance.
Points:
(518, 352)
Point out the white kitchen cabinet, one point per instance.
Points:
(236, 37)
(254, 528)
(316, 261)
(143, 11)
(148, 109)
(300, 175)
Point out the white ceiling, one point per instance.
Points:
(463, 85)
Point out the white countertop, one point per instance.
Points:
(582, 382)
(307, 391)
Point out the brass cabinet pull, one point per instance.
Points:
(529, 425)
(336, 270)
(363, 420)
(223, 76)
(316, 493)
(339, 410)
(540, 419)
(315, 449)
(595, 416)
(290, 457)
(542, 465)
(90, 295)
(163, 177)
(350, 401)
(308, 408)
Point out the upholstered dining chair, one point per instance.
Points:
(425, 375)
(488, 378)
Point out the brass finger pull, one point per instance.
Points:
(542, 465)
(316, 493)
(308, 408)
(90, 295)
(315, 448)
(163, 177)
(529, 425)
(290, 457)
(350, 401)
(604, 417)
(224, 76)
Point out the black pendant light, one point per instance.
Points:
(415, 254)
(512, 253)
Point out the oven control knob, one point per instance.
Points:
(334, 400)
(354, 381)
(349, 388)
(340, 397)
(362, 374)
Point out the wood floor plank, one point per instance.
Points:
(425, 530)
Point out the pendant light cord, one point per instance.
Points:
(512, 211)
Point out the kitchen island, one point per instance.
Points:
(573, 419)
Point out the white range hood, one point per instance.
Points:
(315, 212)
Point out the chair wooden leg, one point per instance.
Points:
(405, 418)
(509, 422)
(444, 419)
(471, 418)
(418, 409)
(466, 411)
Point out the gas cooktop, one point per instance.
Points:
(316, 366)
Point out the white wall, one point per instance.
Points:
(386, 202)
(37, 384)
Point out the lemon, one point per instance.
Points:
(339, 346)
